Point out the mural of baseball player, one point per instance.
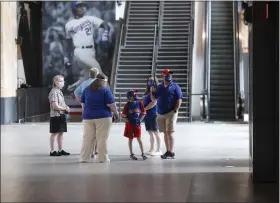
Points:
(80, 35)
(77, 36)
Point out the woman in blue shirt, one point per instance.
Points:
(151, 117)
(97, 104)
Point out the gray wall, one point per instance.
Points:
(198, 58)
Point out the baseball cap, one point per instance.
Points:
(167, 71)
(95, 70)
(130, 93)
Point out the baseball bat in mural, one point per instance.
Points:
(77, 36)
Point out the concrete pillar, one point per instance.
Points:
(198, 57)
(264, 92)
(8, 61)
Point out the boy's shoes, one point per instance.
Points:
(55, 153)
(63, 153)
(133, 157)
(59, 153)
(144, 156)
(168, 155)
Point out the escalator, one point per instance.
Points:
(222, 65)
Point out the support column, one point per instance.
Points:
(8, 61)
(264, 92)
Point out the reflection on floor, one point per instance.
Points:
(211, 166)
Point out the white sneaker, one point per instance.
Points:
(107, 161)
(157, 153)
(150, 152)
(82, 161)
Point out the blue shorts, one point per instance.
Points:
(151, 124)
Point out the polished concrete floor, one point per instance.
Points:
(211, 166)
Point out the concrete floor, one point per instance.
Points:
(211, 166)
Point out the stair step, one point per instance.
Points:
(151, 15)
(140, 37)
(174, 52)
(176, 18)
(176, 14)
(174, 38)
(172, 58)
(154, 22)
(179, 26)
(186, 21)
(144, 3)
(175, 67)
(154, 6)
(142, 53)
(177, 29)
(146, 58)
(146, 25)
(186, 11)
(172, 34)
(142, 34)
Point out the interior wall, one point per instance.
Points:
(8, 61)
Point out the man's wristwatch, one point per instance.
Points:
(175, 111)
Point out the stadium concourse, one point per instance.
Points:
(205, 153)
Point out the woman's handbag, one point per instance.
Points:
(64, 117)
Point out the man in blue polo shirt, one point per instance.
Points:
(169, 99)
(93, 72)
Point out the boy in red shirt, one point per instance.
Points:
(133, 113)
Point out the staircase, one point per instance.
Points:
(135, 57)
(173, 51)
(175, 48)
(222, 76)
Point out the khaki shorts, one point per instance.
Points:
(167, 122)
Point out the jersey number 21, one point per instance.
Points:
(88, 30)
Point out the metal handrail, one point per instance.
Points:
(190, 49)
(235, 57)
(161, 7)
(208, 62)
(119, 43)
(189, 72)
(118, 59)
(153, 71)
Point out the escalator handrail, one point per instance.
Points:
(208, 62)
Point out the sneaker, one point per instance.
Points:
(64, 153)
(82, 161)
(54, 153)
(150, 152)
(144, 156)
(133, 157)
(165, 155)
(157, 153)
(107, 161)
(171, 155)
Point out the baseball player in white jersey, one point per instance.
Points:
(80, 35)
